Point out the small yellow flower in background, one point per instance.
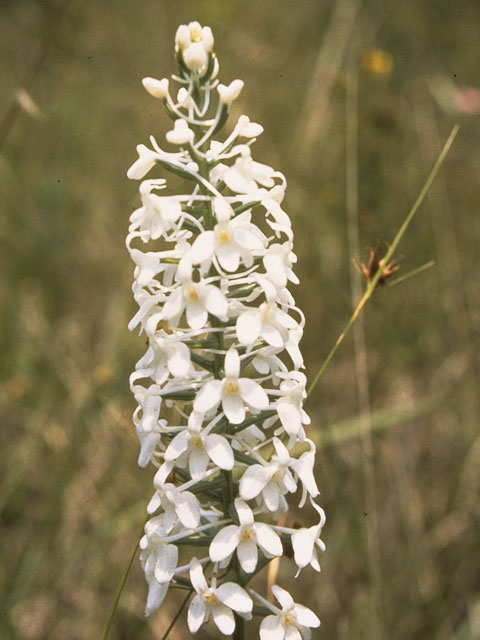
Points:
(377, 62)
(103, 374)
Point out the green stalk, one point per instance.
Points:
(372, 284)
(122, 585)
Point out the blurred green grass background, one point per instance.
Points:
(402, 504)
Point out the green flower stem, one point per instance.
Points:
(176, 616)
(372, 284)
(122, 585)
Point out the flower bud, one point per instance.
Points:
(207, 39)
(184, 99)
(180, 134)
(182, 37)
(195, 29)
(229, 94)
(156, 88)
(195, 56)
(247, 129)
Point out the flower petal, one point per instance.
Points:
(166, 563)
(174, 304)
(223, 618)
(235, 597)
(245, 514)
(228, 257)
(203, 248)
(198, 463)
(219, 450)
(215, 302)
(272, 335)
(247, 555)
(267, 539)
(253, 394)
(196, 576)
(232, 364)
(197, 613)
(293, 633)
(249, 325)
(302, 543)
(224, 543)
(197, 315)
(289, 416)
(156, 595)
(283, 597)
(187, 510)
(179, 361)
(208, 397)
(234, 408)
(305, 616)
(254, 480)
(272, 628)
(177, 446)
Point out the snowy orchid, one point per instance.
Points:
(293, 622)
(218, 602)
(245, 538)
(220, 380)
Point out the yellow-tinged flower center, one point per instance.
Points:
(247, 534)
(231, 386)
(211, 598)
(290, 618)
(223, 234)
(192, 294)
(197, 442)
(195, 34)
(267, 312)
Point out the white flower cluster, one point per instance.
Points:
(219, 389)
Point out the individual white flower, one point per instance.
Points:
(197, 299)
(245, 539)
(165, 554)
(278, 262)
(156, 591)
(273, 479)
(158, 215)
(195, 57)
(166, 355)
(194, 43)
(146, 161)
(289, 405)
(184, 99)
(303, 468)
(182, 37)
(156, 88)
(267, 322)
(228, 94)
(243, 176)
(305, 542)
(292, 623)
(232, 239)
(246, 129)
(271, 199)
(174, 500)
(149, 438)
(191, 446)
(233, 392)
(149, 399)
(181, 133)
(217, 602)
(194, 32)
(148, 265)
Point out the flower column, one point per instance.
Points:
(219, 389)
